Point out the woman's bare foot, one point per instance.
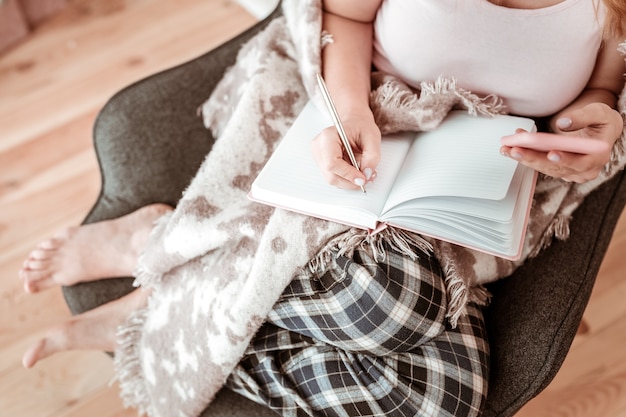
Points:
(90, 252)
(95, 329)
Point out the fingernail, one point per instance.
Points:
(368, 173)
(516, 155)
(554, 157)
(564, 122)
(359, 181)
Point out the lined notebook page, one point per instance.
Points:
(460, 158)
(492, 210)
(292, 178)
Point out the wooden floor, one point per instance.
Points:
(51, 87)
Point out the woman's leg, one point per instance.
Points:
(96, 329)
(90, 252)
(87, 253)
(363, 305)
(367, 339)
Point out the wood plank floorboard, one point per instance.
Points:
(51, 88)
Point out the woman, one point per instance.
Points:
(371, 344)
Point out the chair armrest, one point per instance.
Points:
(535, 313)
(149, 139)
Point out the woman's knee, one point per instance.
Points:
(361, 305)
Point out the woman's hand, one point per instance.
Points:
(328, 152)
(597, 121)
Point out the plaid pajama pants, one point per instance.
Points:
(367, 339)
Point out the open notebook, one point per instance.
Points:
(450, 183)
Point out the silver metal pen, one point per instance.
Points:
(337, 122)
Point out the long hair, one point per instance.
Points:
(615, 24)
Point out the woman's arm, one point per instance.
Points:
(346, 66)
(347, 61)
(591, 115)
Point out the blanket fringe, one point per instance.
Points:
(127, 363)
(326, 38)
(144, 277)
(460, 294)
(397, 107)
(392, 94)
(475, 105)
(406, 243)
(558, 228)
(618, 151)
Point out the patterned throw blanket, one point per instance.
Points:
(218, 263)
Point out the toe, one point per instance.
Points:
(50, 244)
(35, 280)
(32, 355)
(56, 340)
(37, 264)
(40, 254)
(35, 286)
(30, 287)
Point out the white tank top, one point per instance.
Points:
(536, 60)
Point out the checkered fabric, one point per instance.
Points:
(367, 339)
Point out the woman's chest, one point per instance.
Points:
(536, 59)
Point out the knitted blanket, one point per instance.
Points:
(218, 262)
